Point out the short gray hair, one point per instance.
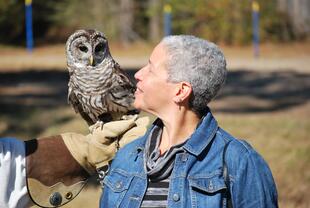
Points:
(199, 62)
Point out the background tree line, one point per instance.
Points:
(226, 21)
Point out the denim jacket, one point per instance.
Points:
(197, 177)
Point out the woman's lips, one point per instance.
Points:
(138, 89)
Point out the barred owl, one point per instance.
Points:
(98, 88)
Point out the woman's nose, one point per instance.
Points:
(138, 74)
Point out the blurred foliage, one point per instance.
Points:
(12, 19)
(226, 21)
(11, 22)
(74, 14)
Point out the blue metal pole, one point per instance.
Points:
(255, 24)
(167, 20)
(28, 19)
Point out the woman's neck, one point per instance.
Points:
(177, 128)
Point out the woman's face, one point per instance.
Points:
(154, 93)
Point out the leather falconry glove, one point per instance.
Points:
(100, 146)
(58, 166)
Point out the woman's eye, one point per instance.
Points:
(83, 48)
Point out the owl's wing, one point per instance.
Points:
(119, 99)
(78, 108)
(120, 96)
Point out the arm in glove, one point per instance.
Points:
(58, 166)
(99, 147)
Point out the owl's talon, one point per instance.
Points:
(98, 124)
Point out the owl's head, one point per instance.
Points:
(86, 48)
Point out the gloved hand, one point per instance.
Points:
(96, 149)
(56, 164)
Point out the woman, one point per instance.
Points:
(181, 161)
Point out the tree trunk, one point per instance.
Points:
(154, 8)
(299, 14)
(126, 21)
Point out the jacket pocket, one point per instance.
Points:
(207, 191)
(115, 188)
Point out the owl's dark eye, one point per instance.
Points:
(99, 48)
(83, 48)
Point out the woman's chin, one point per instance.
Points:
(136, 105)
(139, 107)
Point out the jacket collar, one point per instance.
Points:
(203, 135)
(199, 140)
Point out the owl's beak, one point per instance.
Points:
(91, 60)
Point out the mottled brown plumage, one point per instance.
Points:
(98, 88)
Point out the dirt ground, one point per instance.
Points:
(273, 57)
(265, 101)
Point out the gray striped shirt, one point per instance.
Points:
(156, 194)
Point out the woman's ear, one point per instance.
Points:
(183, 92)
